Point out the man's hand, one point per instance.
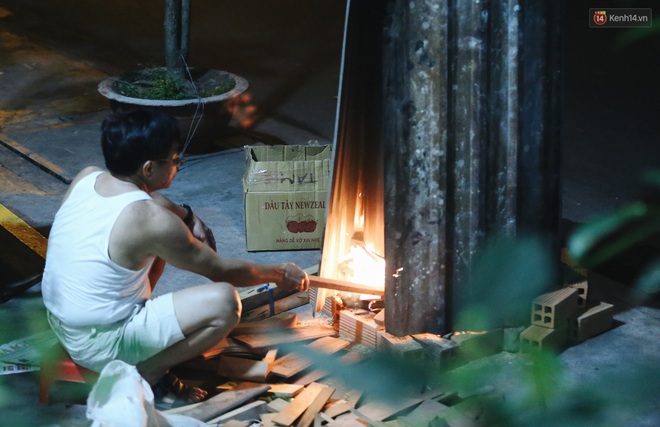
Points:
(202, 232)
(293, 278)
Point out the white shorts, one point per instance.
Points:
(151, 328)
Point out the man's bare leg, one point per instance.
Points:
(206, 315)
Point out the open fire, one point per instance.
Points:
(362, 265)
(353, 247)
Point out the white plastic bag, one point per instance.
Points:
(122, 398)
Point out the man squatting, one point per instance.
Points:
(108, 246)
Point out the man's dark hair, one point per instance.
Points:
(130, 139)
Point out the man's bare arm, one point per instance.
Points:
(173, 242)
(196, 226)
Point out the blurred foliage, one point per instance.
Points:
(507, 275)
(632, 36)
(20, 320)
(635, 225)
(502, 265)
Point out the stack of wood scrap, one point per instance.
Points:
(318, 404)
(260, 386)
(359, 326)
(258, 380)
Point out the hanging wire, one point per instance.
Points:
(197, 116)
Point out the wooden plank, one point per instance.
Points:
(315, 407)
(216, 349)
(425, 414)
(291, 335)
(379, 411)
(251, 411)
(348, 420)
(343, 286)
(369, 421)
(267, 420)
(226, 346)
(285, 304)
(181, 409)
(291, 364)
(343, 406)
(277, 405)
(277, 322)
(318, 374)
(247, 369)
(226, 401)
(295, 409)
(268, 295)
(235, 423)
(310, 377)
(285, 390)
(261, 295)
(243, 369)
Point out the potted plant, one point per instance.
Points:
(201, 99)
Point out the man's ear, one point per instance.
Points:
(148, 168)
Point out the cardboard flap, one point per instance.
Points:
(287, 168)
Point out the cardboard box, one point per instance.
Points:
(286, 188)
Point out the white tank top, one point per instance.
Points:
(81, 285)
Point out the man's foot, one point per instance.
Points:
(170, 391)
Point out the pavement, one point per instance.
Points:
(53, 54)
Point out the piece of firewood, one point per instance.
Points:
(235, 423)
(426, 413)
(226, 401)
(267, 419)
(181, 409)
(378, 411)
(343, 406)
(291, 364)
(272, 339)
(310, 377)
(256, 296)
(277, 322)
(380, 318)
(343, 286)
(285, 304)
(295, 409)
(228, 346)
(285, 390)
(246, 369)
(243, 369)
(277, 405)
(315, 407)
(216, 349)
(317, 374)
(251, 411)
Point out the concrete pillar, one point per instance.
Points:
(470, 137)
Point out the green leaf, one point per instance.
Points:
(649, 282)
(612, 234)
(506, 275)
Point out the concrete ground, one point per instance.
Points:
(53, 54)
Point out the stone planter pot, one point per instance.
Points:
(206, 119)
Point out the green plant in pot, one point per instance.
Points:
(201, 99)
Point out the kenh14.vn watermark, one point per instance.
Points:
(621, 18)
